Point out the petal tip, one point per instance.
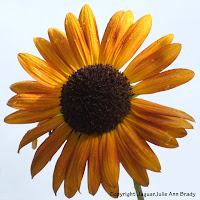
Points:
(69, 15)
(35, 39)
(86, 6)
(171, 35)
(147, 20)
(11, 87)
(20, 147)
(192, 119)
(145, 184)
(148, 17)
(50, 31)
(32, 174)
(20, 56)
(6, 119)
(192, 73)
(178, 46)
(9, 103)
(55, 192)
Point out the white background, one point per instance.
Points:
(21, 20)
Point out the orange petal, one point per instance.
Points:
(150, 50)
(49, 147)
(71, 185)
(126, 22)
(41, 71)
(34, 101)
(115, 30)
(154, 63)
(32, 87)
(134, 169)
(25, 117)
(160, 139)
(131, 41)
(138, 147)
(173, 126)
(88, 24)
(82, 153)
(49, 54)
(109, 162)
(163, 120)
(163, 81)
(177, 132)
(40, 130)
(41, 122)
(63, 161)
(34, 144)
(158, 109)
(112, 191)
(110, 36)
(94, 175)
(77, 40)
(61, 45)
(152, 133)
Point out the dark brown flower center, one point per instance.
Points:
(95, 99)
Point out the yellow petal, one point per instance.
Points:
(163, 81)
(33, 87)
(49, 147)
(88, 24)
(63, 161)
(134, 169)
(25, 117)
(61, 45)
(41, 71)
(138, 147)
(152, 133)
(158, 109)
(49, 54)
(150, 50)
(94, 176)
(40, 130)
(109, 161)
(154, 63)
(34, 101)
(131, 41)
(77, 40)
(115, 30)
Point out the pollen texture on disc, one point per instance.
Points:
(95, 99)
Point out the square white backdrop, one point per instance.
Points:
(22, 20)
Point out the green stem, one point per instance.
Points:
(135, 95)
(138, 190)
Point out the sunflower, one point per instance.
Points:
(87, 104)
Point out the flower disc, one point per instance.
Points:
(95, 99)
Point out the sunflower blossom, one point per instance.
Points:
(87, 104)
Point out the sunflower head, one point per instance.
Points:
(81, 97)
